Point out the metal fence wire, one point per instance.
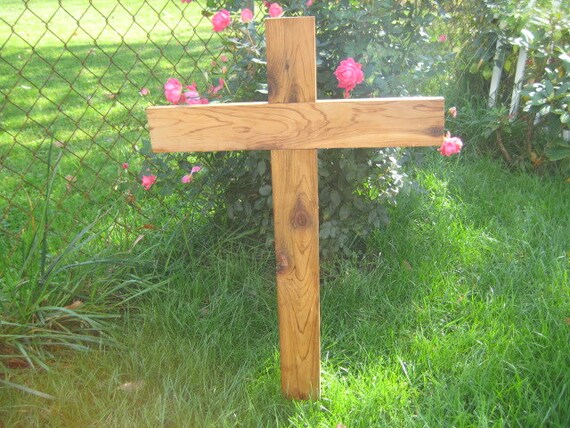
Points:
(76, 76)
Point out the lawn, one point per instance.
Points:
(457, 315)
(70, 77)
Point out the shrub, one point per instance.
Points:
(534, 131)
(391, 41)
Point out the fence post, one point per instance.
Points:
(517, 86)
(497, 72)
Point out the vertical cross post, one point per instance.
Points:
(291, 75)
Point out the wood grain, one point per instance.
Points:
(361, 123)
(295, 210)
(291, 60)
(291, 73)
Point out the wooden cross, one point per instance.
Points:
(293, 125)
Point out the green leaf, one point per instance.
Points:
(146, 148)
(345, 211)
(261, 168)
(325, 230)
(24, 388)
(183, 164)
(259, 204)
(559, 152)
(335, 199)
(549, 88)
(265, 190)
(545, 110)
(565, 57)
(527, 35)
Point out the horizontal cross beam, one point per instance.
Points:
(359, 123)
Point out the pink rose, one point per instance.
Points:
(189, 177)
(147, 181)
(144, 91)
(349, 74)
(125, 165)
(186, 1)
(275, 11)
(452, 112)
(246, 15)
(451, 145)
(442, 38)
(309, 3)
(192, 96)
(221, 20)
(215, 89)
(223, 58)
(173, 90)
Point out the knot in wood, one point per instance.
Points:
(435, 131)
(282, 263)
(301, 218)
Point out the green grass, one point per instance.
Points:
(70, 75)
(458, 315)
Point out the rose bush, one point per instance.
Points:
(355, 186)
(532, 134)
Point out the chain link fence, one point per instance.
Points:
(75, 79)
